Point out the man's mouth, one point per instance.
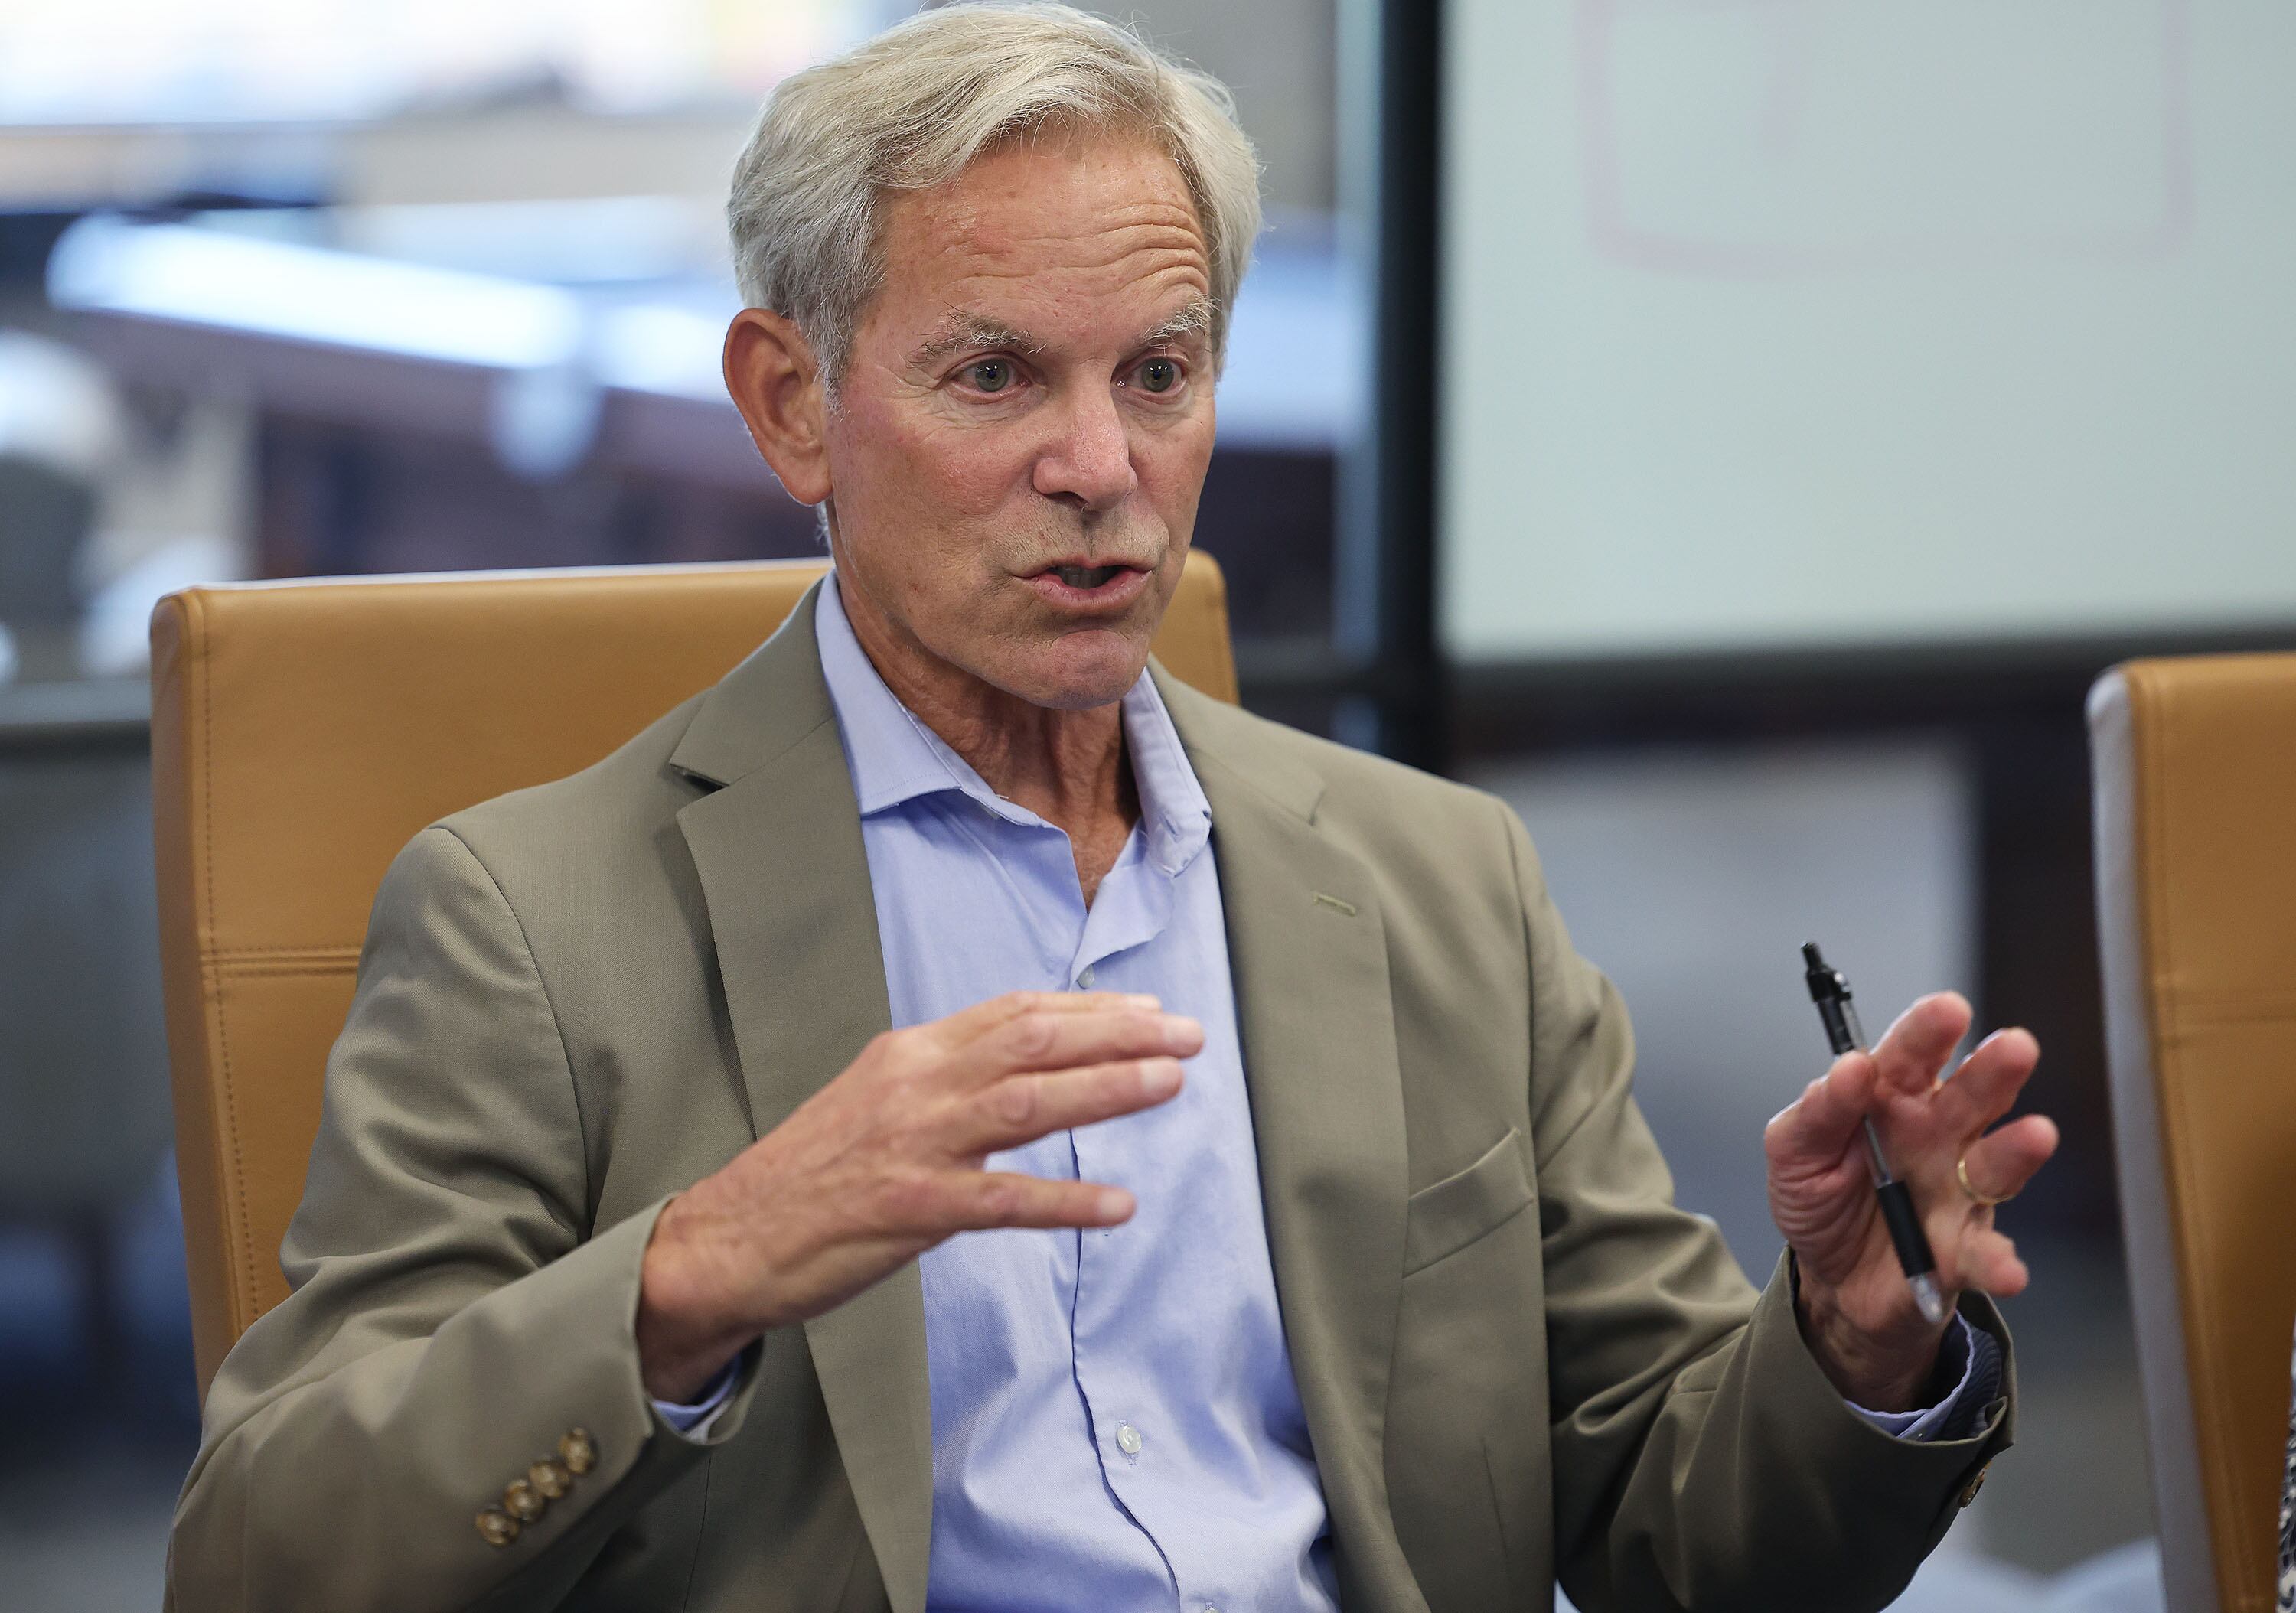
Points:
(1092, 590)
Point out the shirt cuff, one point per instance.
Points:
(695, 1421)
(1922, 1424)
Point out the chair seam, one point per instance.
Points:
(315, 948)
(259, 968)
(2194, 1231)
(2219, 1012)
(243, 1232)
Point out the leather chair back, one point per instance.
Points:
(302, 732)
(2195, 774)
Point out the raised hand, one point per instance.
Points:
(886, 1161)
(1857, 1312)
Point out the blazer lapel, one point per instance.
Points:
(786, 880)
(1313, 1003)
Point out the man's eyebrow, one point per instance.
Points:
(968, 331)
(1195, 319)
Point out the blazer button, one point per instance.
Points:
(551, 1478)
(1975, 1485)
(576, 1450)
(523, 1500)
(498, 1527)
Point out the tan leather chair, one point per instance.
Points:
(301, 732)
(2195, 768)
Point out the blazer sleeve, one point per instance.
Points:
(1701, 1457)
(455, 1316)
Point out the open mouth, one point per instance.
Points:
(1092, 590)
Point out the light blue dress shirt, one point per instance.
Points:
(1114, 1420)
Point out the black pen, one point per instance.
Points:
(1831, 992)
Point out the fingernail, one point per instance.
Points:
(1115, 1204)
(1160, 1078)
(1141, 999)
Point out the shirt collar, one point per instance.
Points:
(893, 757)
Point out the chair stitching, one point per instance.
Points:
(319, 948)
(242, 1231)
(2196, 1232)
(283, 952)
(285, 968)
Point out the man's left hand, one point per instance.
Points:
(1856, 1309)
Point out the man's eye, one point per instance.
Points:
(989, 374)
(1159, 375)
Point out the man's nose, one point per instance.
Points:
(1089, 462)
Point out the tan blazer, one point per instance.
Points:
(1516, 1356)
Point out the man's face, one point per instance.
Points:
(1026, 416)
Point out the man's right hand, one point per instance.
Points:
(886, 1161)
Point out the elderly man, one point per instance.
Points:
(951, 1118)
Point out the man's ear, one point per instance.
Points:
(777, 385)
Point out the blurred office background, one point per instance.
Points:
(1734, 431)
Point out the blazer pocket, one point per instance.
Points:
(1445, 1216)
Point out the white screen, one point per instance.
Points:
(1800, 322)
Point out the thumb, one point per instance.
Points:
(1813, 1131)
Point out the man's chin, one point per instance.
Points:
(1069, 695)
(1062, 679)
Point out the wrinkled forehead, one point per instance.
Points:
(1061, 234)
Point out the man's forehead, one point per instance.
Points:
(1066, 223)
(1028, 187)
(1102, 219)
(1041, 247)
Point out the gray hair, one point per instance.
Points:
(911, 108)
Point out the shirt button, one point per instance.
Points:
(1084, 981)
(1128, 1439)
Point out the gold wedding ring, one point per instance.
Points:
(1960, 1169)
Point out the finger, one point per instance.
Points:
(1912, 1052)
(1022, 1108)
(968, 1024)
(982, 1199)
(1989, 1263)
(1032, 1041)
(1814, 1129)
(1987, 1085)
(1999, 1165)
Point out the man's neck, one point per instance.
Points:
(1068, 767)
